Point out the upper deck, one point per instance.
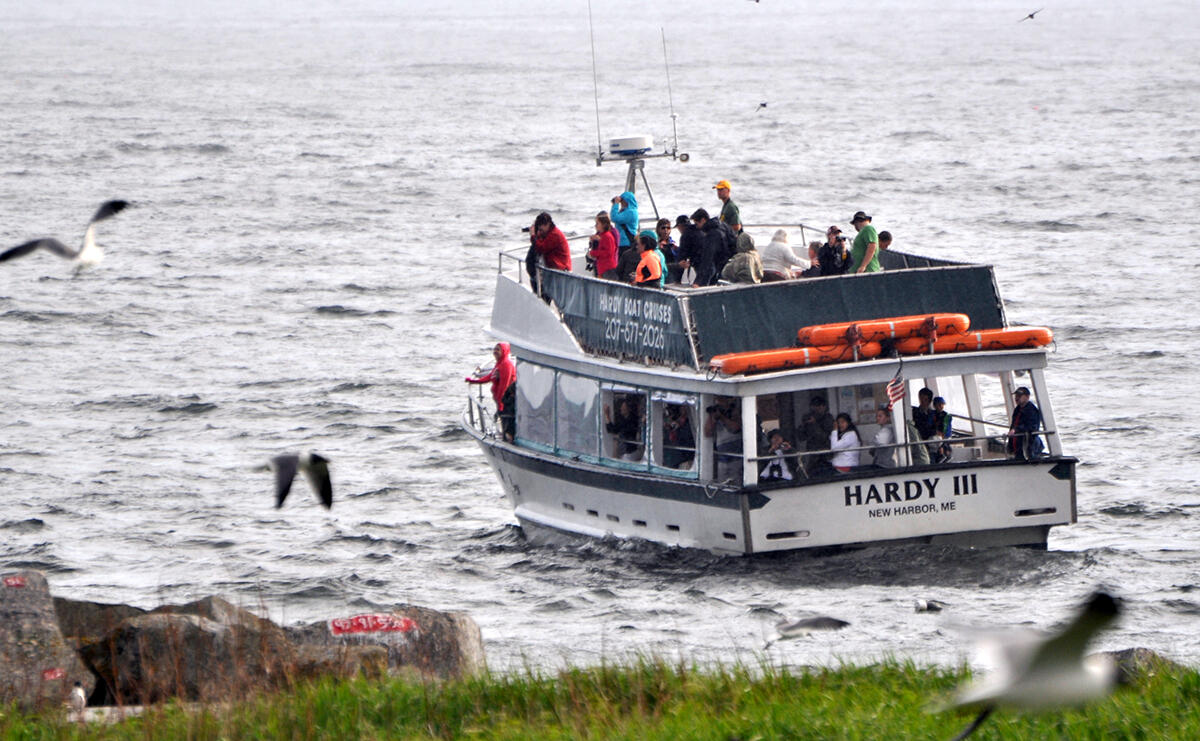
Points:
(685, 327)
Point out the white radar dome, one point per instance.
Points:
(626, 146)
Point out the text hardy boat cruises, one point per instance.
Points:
(659, 414)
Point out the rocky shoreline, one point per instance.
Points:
(209, 650)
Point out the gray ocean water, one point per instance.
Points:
(320, 191)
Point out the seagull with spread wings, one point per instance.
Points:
(89, 253)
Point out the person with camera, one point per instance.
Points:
(602, 246)
(679, 440)
(624, 215)
(547, 246)
(833, 256)
(783, 466)
(723, 423)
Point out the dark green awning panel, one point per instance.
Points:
(766, 316)
(621, 320)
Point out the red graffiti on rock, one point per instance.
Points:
(371, 624)
(14, 581)
(51, 674)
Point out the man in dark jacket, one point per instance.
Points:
(716, 249)
(691, 242)
(1023, 443)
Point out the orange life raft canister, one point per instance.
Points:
(893, 328)
(789, 357)
(984, 339)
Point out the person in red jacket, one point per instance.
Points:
(503, 377)
(547, 242)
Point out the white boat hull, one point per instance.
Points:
(981, 503)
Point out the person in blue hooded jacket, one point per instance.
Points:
(624, 215)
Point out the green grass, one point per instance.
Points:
(648, 700)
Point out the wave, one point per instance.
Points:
(339, 310)
(196, 407)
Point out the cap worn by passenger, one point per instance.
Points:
(859, 216)
(1021, 390)
(938, 400)
(722, 184)
(833, 230)
(681, 219)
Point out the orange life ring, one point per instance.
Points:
(985, 339)
(893, 328)
(758, 361)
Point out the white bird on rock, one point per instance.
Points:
(1038, 673)
(89, 253)
(315, 468)
(77, 701)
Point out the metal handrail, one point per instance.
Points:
(930, 441)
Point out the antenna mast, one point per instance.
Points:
(670, 97)
(596, 85)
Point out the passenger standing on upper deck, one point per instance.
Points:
(603, 245)
(730, 213)
(691, 245)
(717, 248)
(1023, 444)
(865, 250)
(649, 269)
(549, 242)
(624, 214)
(885, 240)
(503, 377)
(833, 256)
(670, 251)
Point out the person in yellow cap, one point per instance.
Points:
(730, 213)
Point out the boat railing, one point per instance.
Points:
(480, 416)
(801, 454)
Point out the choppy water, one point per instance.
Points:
(321, 190)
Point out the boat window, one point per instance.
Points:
(673, 431)
(535, 403)
(624, 424)
(578, 428)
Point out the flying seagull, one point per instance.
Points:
(760, 107)
(316, 470)
(1036, 673)
(89, 253)
(1031, 15)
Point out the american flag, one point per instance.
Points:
(895, 389)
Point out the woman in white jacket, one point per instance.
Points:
(844, 435)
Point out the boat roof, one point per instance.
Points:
(686, 327)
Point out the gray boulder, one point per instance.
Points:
(208, 650)
(418, 639)
(1136, 663)
(37, 666)
(84, 623)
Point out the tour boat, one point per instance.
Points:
(589, 351)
